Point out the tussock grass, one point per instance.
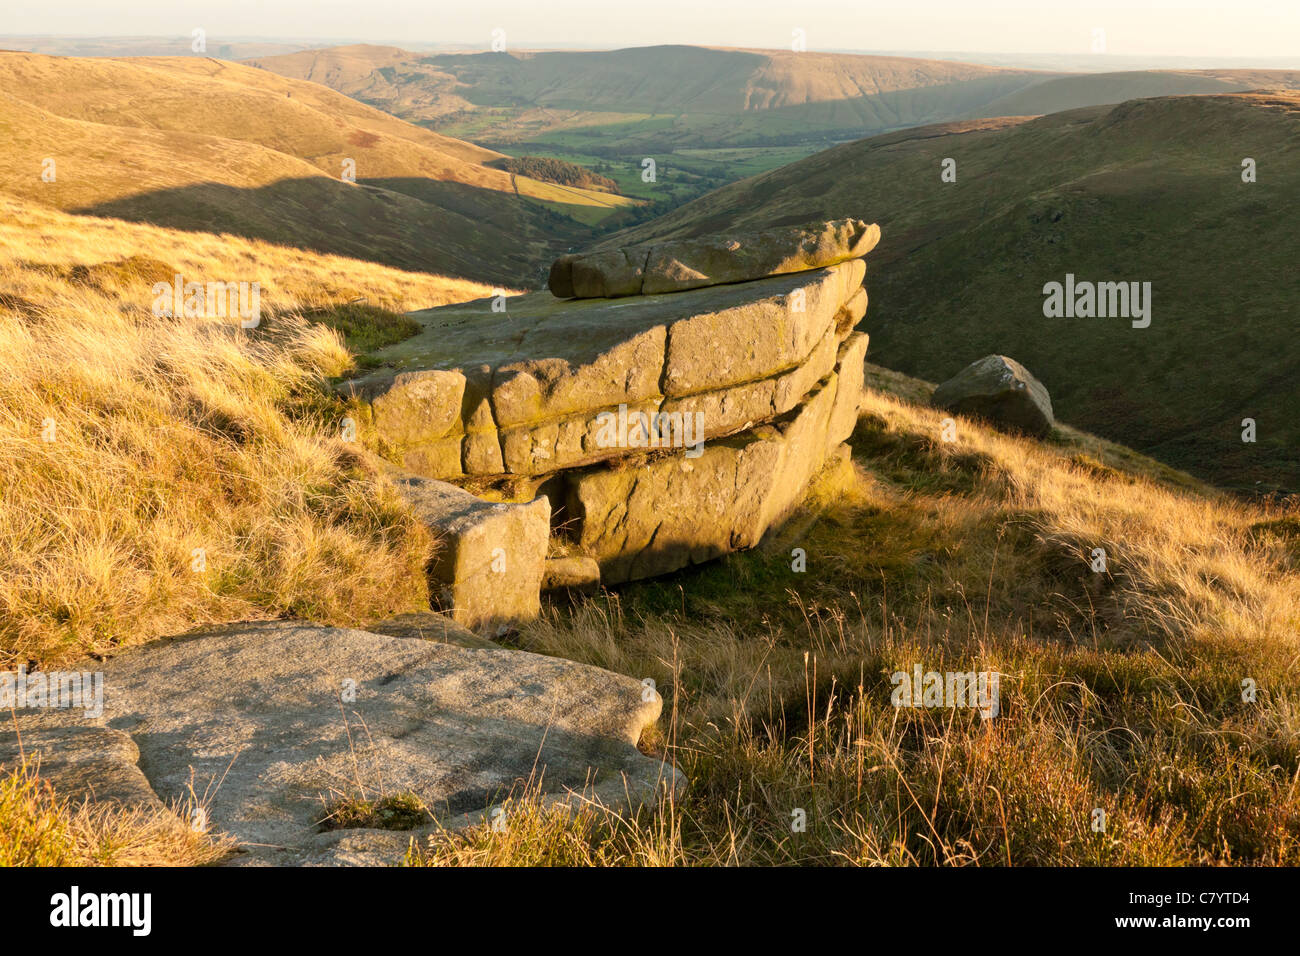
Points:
(44, 251)
(37, 828)
(159, 474)
(399, 811)
(1120, 691)
(532, 830)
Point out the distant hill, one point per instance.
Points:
(664, 95)
(1151, 191)
(182, 44)
(342, 68)
(705, 116)
(208, 145)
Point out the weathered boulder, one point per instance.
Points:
(649, 516)
(674, 418)
(680, 264)
(486, 569)
(850, 369)
(640, 519)
(275, 720)
(999, 390)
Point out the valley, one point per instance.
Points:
(710, 116)
(201, 144)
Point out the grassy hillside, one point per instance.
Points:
(200, 144)
(160, 473)
(179, 44)
(1149, 191)
(345, 68)
(1074, 92)
(708, 91)
(128, 441)
(1119, 691)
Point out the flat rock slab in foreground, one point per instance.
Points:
(257, 715)
(82, 761)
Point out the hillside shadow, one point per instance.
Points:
(410, 223)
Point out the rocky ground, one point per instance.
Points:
(258, 731)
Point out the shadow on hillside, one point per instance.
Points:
(410, 223)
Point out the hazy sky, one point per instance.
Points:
(1224, 28)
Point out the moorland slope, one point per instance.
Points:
(197, 143)
(1147, 191)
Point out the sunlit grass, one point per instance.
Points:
(159, 474)
(38, 828)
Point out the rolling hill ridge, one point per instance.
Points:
(208, 145)
(664, 96)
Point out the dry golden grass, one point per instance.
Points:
(1121, 691)
(207, 145)
(163, 473)
(37, 828)
(39, 247)
(131, 445)
(535, 831)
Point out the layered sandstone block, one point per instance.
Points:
(678, 416)
(657, 516)
(523, 391)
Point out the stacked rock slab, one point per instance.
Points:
(672, 410)
(651, 268)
